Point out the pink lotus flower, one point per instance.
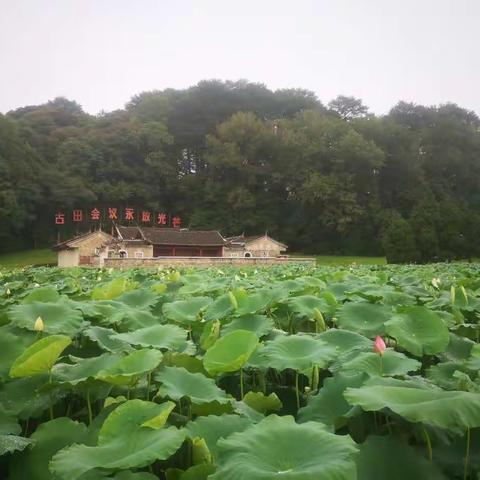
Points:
(379, 345)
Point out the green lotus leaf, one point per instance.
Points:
(127, 475)
(259, 324)
(212, 408)
(186, 311)
(252, 302)
(22, 397)
(210, 334)
(392, 363)
(458, 349)
(127, 370)
(40, 356)
(379, 454)
(123, 443)
(474, 360)
(11, 443)
(103, 338)
(230, 352)
(168, 337)
(42, 294)
(419, 331)
(305, 305)
(110, 290)
(300, 352)
(329, 407)
(197, 472)
(345, 341)
(443, 374)
(212, 427)
(8, 424)
(263, 403)
(178, 383)
(365, 318)
(11, 347)
(83, 368)
(48, 439)
(138, 298)
(58, 317)
(219, 309)
(428, 405)
(192, 364)
(161, 417)
(275, 448)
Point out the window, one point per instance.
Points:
(123, 254)
(248, 255)
(138, 254)
(234, 254)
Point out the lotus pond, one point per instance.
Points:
(241, 374)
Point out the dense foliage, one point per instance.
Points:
(240, 374)
(236, 156)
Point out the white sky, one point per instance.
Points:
(102, 52)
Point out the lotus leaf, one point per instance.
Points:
(329, 407)
(39, 357)
(212, 427)
(168, 337)
(178, 383)
(48, 439)
(379, 454)
(230, 352)
(127, 370)
(11, 443)
(123, 443)
(299, 352)
(58, 318)
(419, 331)
(259, 324)
(186, 311)
(428, 405)
(275, 448)
(392, 363)
(365, 318)
(263, 403)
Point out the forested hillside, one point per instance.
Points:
(237, 157)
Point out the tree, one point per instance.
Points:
(348, 108)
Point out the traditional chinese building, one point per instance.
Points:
(150, 243)
(255, 246)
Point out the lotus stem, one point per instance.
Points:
(297, 392)
(467, 456)
(241, 383)
(89, 408)
(149, 381)
(428, 444)
(50, 395)
(381, 365)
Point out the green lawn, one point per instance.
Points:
(28, 257)
(43, 256)
(348, 260)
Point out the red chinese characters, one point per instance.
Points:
(176, 222)
(95, 214)
(77, 215)
(129, 214)
(162, 218)
(146, 216)
(59, 218)
(113, 214)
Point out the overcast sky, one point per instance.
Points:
(101, 52)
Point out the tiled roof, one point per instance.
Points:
(73, 242)
(173, 236)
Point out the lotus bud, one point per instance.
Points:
(237, 278)
(464, 293)
(220, 272)
(379, 345)
(38, 326)
(319, 319)
(452, 294)
(200, 452)
(435, 282)
(8, 292)
(233, 300)
(36, 285)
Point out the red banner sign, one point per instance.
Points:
(111, 214)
